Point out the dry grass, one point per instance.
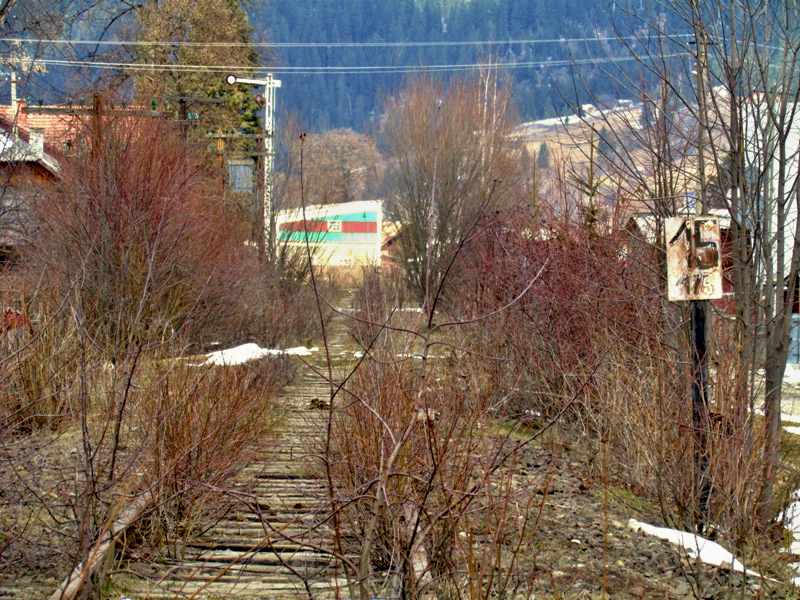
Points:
(431, 498)
(38, 375)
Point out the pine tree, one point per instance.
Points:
(231, 108)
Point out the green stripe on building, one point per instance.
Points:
(327, 237)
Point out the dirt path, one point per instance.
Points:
(276, 542)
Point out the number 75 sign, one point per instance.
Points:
(694, 267)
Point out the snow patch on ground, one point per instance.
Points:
(298, 351)
(789, 418)
(240, 355)
(696, 546)
(411, 355)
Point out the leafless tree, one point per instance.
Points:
(451, 158)
(720, 120)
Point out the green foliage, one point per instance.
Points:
(220, 107)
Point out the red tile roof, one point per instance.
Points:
(58, 127)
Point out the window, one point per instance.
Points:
(240, 176)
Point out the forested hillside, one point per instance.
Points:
(354, 99)
(570, 50)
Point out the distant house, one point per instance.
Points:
(27, 165)
(347, 236)
(58, 123)
(391, 257)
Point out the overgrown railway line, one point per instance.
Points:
(277, 542)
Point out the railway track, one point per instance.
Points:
(276, 544)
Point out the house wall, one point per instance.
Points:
(760, 137)
(25, 176)
(19, 183)
(347, 235)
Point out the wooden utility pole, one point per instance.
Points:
(183, 117)
(699, 308)
(97, 125)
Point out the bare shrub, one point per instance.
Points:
(269, 304)
(132, 237)
(412, 462)
(195, 427)
(133, 262)
(378, 294)
(599, 313)
(340, 166)
(421, 483)
(538, 335)
(445, 175)
(38, 376)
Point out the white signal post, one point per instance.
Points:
(270, 85)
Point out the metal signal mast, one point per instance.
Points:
(270, 85)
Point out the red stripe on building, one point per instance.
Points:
(359, 227)
(311, 226)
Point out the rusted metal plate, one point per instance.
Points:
(694, 262)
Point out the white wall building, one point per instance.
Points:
(341, 235)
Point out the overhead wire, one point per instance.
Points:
(375, 44)
(340, 70)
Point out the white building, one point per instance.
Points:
(341, 235)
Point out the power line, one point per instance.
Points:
(346, 70)
(400, 44)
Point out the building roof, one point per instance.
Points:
(14, 149)
(22, 146)
(56, 122)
